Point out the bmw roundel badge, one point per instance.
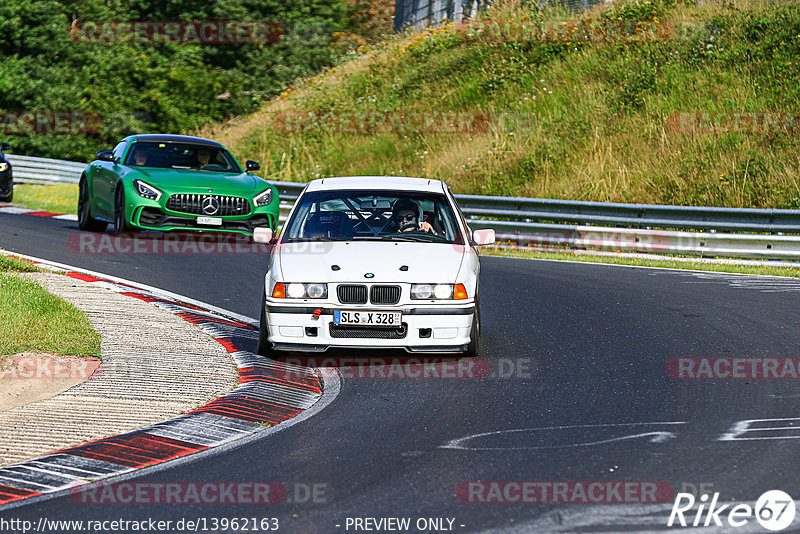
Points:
(369, 275)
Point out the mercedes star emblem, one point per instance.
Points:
(210, 205)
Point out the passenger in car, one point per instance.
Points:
(140, 157)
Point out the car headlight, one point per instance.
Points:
(263, 199)
(146, 190)
(296, 290)
(438, 292)
(3, 166)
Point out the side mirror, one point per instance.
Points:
(105, 155)
(252, 165)
(262, 235)
(483, 237)
(4, 147)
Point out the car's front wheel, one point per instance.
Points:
(85, 219)
(264, 346)
(472, 348)
(120, 220)
(8, 198)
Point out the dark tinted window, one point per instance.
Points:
(382, 215)
(181, 156)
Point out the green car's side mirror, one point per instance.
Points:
(252, 165)
(105, 155)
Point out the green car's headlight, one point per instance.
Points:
(263, 199)
(146, 190)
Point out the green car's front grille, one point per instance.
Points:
(211, 205)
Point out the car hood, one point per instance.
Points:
(191, 181)
(427, 262)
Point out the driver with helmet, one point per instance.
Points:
(407, 216)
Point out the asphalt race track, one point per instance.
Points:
(589, 399)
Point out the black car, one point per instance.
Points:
(6, 179)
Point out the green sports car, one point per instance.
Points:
(174, 182)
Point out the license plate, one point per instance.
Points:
(213, 221)
(367, 318)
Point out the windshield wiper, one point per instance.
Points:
(318, 238)
(401, 237)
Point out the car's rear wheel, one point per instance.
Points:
(264, 346)
(85, 219)
(472, 348)
(120, 220)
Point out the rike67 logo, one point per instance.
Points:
(774, 511)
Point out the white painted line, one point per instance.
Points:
(222, 313)
(655, 437)
(657, 257)
(11, 210)
(668, 269)
(68, 217)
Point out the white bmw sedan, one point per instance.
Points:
(373, 262)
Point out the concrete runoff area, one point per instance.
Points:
(155, 366)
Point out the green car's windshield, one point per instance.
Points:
(181, 156)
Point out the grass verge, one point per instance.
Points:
(33, 319)
(9, 263)
(666, 263)
(56, 198)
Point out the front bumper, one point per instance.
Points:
(151, 218)
(432, 328)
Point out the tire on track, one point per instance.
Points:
(85, 219)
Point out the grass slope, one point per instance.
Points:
(570, 117)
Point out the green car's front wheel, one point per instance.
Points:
(85, 219)
(120, 220)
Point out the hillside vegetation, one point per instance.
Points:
(72, 57)
(569, 115)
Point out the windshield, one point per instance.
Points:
(379, 216)
(181, 156)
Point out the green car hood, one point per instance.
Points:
(193, 181)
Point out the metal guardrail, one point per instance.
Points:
(532, 223)
(422, 13)
(548, 223)
(45, 171)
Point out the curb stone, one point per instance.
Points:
(269, 393)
